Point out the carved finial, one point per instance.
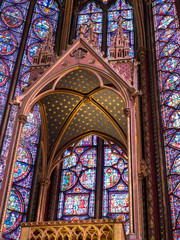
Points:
(141, 53)
(82, 31)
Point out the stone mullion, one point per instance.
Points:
(66, 25)
(74, 26)
(9, 170)
(32, 203)
(147, 145)
(16, 71)
(99, 179)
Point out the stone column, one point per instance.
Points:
(147, 146)
(127, 112)
(44, 184)
(12, 156)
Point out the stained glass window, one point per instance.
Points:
(44, 18)
(123, 11)
(91, 13)
(167, 38)
(78, 178)
(115, 185)
(77, 198)
(119, 9)
(13, 14)
(23, 174)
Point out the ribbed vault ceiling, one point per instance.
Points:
(79, 105)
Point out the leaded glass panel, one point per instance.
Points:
(44, 18)
(78, 179)
(167, 39)
(13, 16)
(91, 13)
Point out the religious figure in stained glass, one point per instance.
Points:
(77, 198)
(166, 27)
(44, 18)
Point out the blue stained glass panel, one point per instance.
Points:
(76, 204)
(12, 19)
(68, 179)
(70, 161)
(115, 186)
(118, 202)
(12, 16)
(22, 179)
(88, 178)
(111, 177)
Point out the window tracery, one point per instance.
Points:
(78, 184)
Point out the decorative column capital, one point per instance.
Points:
(22, 119)
(147, 2)
(127, 112)
(141, 53)
(45, 182)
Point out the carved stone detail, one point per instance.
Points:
(145, 171)
(22, 119)
(79, 53)
(65, 63)
(43, 58)
(127, 112)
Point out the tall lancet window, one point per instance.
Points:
(88, 179)
(44, 19)
(167, 38)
